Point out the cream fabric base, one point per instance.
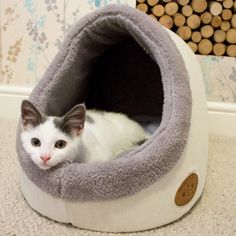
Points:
(153, 206)
(214, 214)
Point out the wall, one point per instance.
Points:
(31, 32)
(220, 78)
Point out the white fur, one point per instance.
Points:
(109, 134)
(48, 134)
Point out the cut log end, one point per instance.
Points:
(231, 36)
(179, 19)
(219, 36)
(152, 2)
(187, 10)
(194, 21)
(205, 47)
(196, 37)
(158, 10)
(171, 8)
(226, 14)
(215, 8)
(219, 49)
(184, 32)
(199, 6)
(231, 50)
(216, 21)
(193, 46)
(225, 25)
(207, 31)
(206, 17)
(166, 21)
(233, 21)
(142, 7)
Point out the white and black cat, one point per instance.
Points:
(85, 135)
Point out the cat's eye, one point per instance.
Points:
(60, 144)
(35, 142)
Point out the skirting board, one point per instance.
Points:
(10, 100)
(222, 116)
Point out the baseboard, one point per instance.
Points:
(222, 116)
(10, 100)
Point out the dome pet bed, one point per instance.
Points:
(118, 59)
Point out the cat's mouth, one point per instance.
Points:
(44, 166)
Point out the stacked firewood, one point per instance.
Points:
(208, 27)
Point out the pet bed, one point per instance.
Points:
(118, 59)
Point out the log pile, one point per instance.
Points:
(208, 27)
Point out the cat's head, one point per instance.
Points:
(51, 140)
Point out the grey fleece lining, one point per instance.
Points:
(140, 168)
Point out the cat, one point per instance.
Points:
(79, 135)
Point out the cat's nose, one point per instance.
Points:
(45, 158)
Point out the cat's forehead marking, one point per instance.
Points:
(43, 119)
(48, 131)
(47, 126)
(58, 123)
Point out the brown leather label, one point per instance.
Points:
(186, 190)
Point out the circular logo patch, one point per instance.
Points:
(186, 190)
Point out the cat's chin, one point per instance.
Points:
(43, 167)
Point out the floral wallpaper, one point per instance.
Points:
(31, 32)
(220, 77)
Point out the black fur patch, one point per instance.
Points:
(58, 123)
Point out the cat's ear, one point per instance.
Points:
(73, 121)
(30, 116)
